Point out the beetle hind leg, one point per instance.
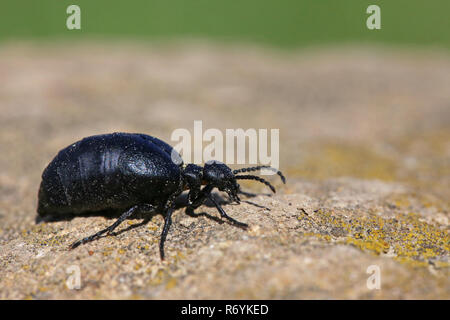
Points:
(107, 230)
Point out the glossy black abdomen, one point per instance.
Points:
(111, 171)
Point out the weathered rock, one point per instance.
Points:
(364, 143)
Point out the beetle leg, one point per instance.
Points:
(197, 202)
(223, 214)
(169, 207)
(106, 230)
(167, 224)
(206, 193)
(203, 194)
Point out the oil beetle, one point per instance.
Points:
(128, 172)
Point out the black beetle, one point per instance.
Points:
(129, 172)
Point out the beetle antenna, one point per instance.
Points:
(250, 169)
(250, 177)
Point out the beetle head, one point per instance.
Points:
(220, 176)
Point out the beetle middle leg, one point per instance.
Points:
(167, 224)
(168, 210)
(108, 230)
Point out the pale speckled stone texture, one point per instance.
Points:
(364, 143)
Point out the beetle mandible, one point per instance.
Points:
(130, 172)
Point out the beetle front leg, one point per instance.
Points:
(206, 194)
(201, 197)
(223, 214)
(197, 202)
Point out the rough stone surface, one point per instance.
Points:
(364, 143)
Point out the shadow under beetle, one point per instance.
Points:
(128, 173)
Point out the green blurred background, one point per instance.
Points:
(285, 23)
